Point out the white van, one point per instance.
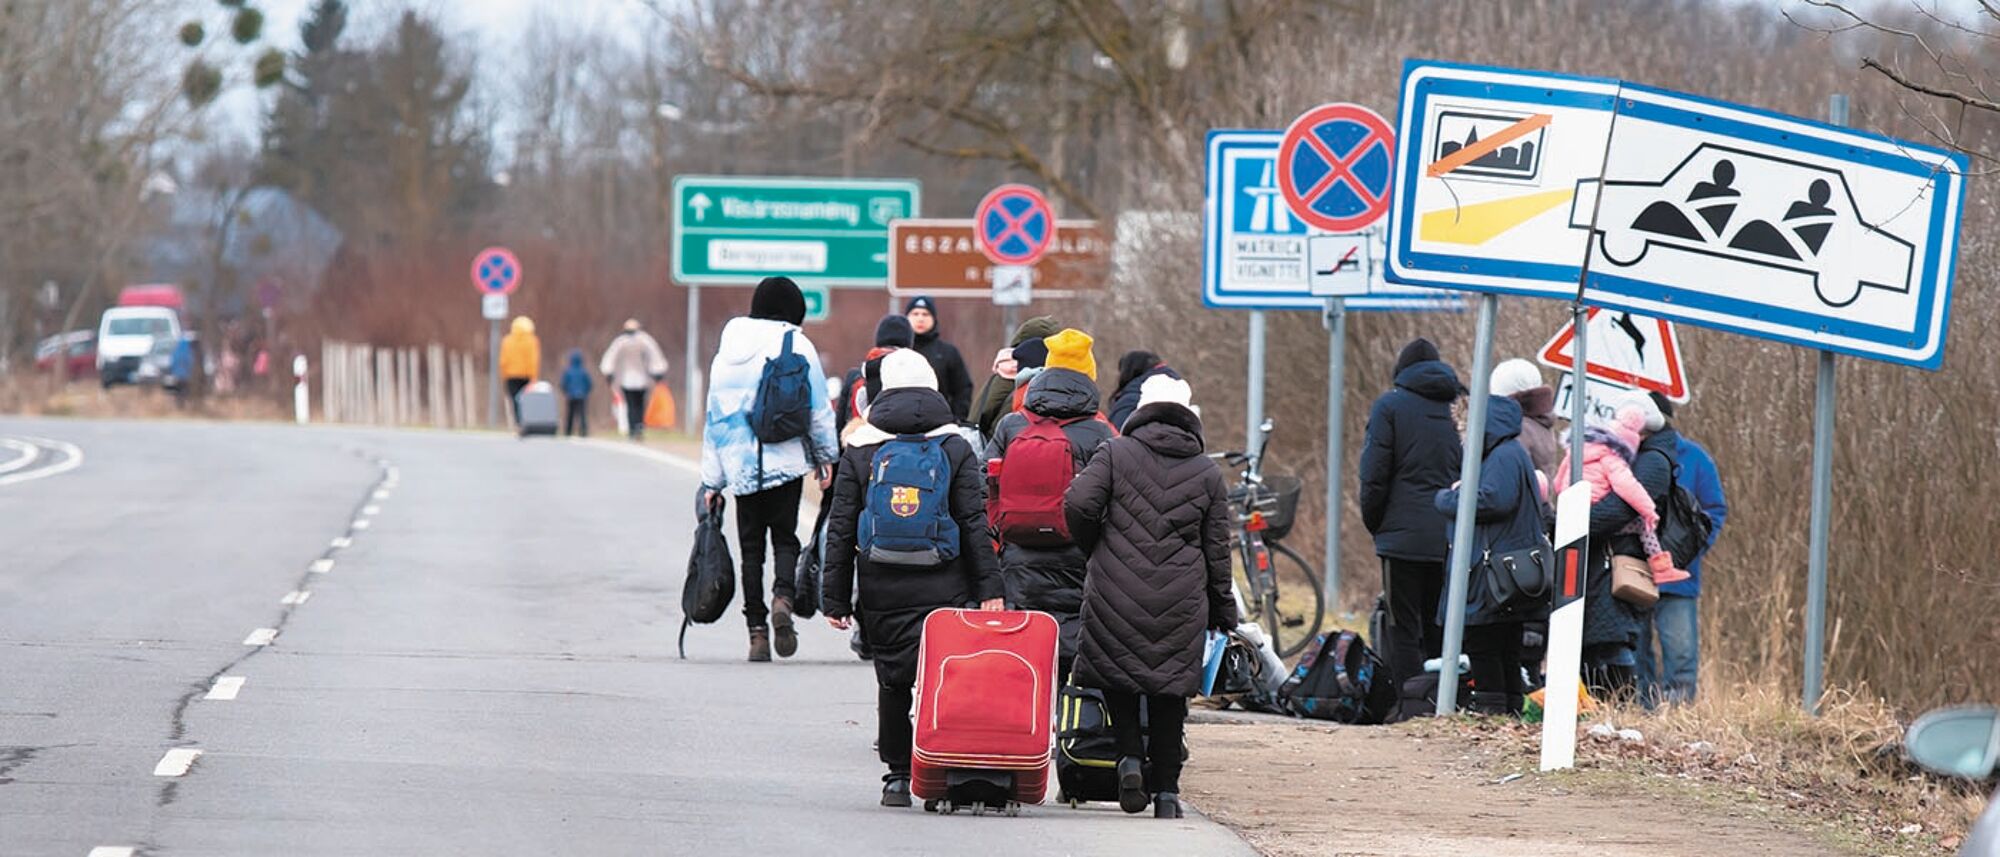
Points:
(133, 343)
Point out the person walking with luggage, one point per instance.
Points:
(520, 361)
(1676, 620)
(1519, 380)
(576, 386)
(631, 365)
(1031, 461)
(953, 379)
(1133, 370)
(1508, 525)
(769, 426)
(1152, 513)
(908, 521)
(998, 392)
(1412, 451)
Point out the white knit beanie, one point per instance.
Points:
(1514, 376)
(1643, 403)
(907, 367)
(1165, 388)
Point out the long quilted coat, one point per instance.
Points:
(1152, 513)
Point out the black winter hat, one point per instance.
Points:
(779, 299)
(894, 330)
(920, 302)
(1032, 354)
(1418, 351)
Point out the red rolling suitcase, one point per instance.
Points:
(985, 693)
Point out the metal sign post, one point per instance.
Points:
(1463, 525)
(1253, 406)
(1825, 407)
(1336, 384)
(496, 273)
(696, 407)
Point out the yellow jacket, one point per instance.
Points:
(521, 352)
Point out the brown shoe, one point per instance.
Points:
(760, 645)
(781, 622)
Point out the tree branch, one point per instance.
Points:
(1913, 86)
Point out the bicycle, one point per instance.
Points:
(1274, 576)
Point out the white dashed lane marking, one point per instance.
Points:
(382, 494)
(341, 543)
(371, 511)
(296, 596)
(226, 688)
(113, 851)
(261, 637)
(360, 523)
(176, 762)
(320, 566)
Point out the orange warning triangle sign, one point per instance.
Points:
(1626, 349)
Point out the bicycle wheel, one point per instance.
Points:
(1299, 607)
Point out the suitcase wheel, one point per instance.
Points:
(933, 805)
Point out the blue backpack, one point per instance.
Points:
(907, 519)
(782, 409)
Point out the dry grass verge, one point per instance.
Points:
(36, 395)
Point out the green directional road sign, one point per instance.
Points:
(739, 229)
(818, 299)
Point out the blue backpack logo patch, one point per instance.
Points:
(907, 518)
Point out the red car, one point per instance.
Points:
(79, 348)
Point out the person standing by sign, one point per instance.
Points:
(953, 379)
(766, 382)
(1508, 522)
(520, 360)
(1611, 627)
(996, 396)
(632, 365)
(1676, 621)
(1412, 451)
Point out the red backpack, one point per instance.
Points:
(1034, 475)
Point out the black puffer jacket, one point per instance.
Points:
(895, 599)
(1126, 400)
(1508, 516)
(1411, 452)
(953, 380)
(1042, 578)
(1152, 513)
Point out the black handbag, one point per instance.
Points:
(1523, 576)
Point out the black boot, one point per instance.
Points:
(1131, 785)
(1166, 805)
(896, 790)
(1489, 703)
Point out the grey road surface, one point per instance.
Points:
(485, 665)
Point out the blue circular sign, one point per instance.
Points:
(495, 271)
(1334, 166)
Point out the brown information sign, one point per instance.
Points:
(941, 258)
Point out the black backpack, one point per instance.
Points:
(782, 409)
(711, 575)
(1685, 528)
(1340, 679)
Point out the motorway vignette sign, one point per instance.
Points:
(741, 229)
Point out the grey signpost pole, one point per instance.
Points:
(493, 372)
(1254, 407)
(695, 408)
(1825, 406)
(1468, 504)
(1579, 403)
(1336, 384)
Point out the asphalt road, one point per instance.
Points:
(485, 666)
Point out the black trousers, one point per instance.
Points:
(635, 411)
(1160, 742)
(893, 731)
(1495, 652)
(576, 418)
(514, 388)
(1414, 588)
(775, 512)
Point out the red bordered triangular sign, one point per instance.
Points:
(1627, 349)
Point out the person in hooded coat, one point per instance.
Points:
(1412, 450)
(1153, 514)
(766, 479)
(1611, 627)
(1508, 517)
(1519, 380)
(891, 333)
(953, 379)
(1133, 370)
(520, 360)
(894, 599)
(576, 386)
(1050, 579)
(998, 392)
